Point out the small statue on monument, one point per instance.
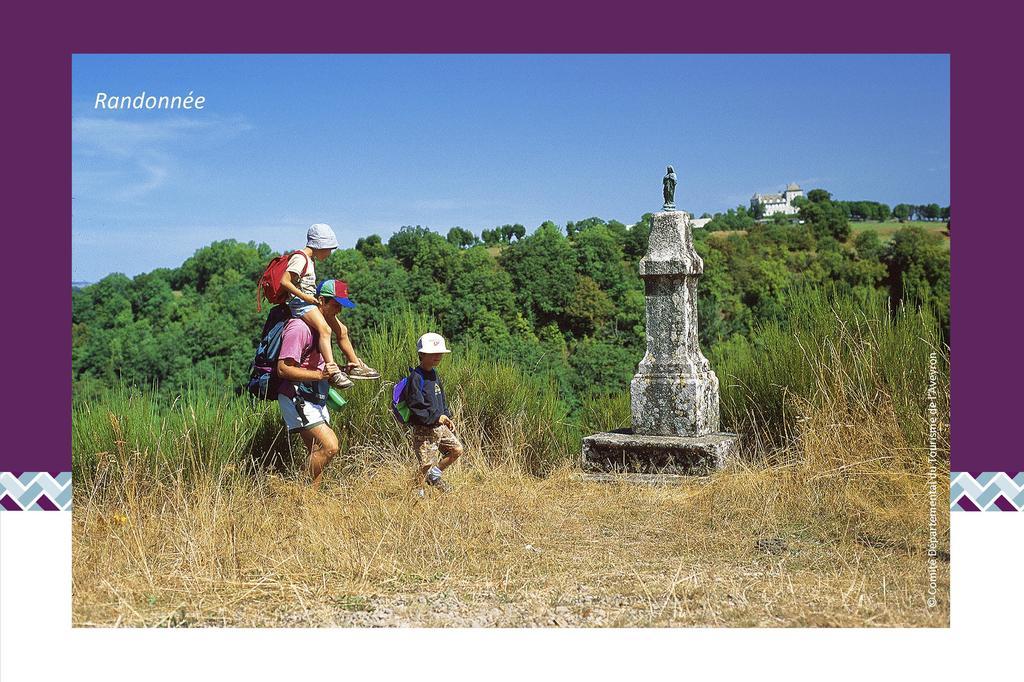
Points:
(668, 190)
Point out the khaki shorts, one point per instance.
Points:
(429, 443)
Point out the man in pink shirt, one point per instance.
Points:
(302, 394)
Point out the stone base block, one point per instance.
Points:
(634, 479)
(674, 404)
(627, 452)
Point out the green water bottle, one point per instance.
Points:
(335, 399)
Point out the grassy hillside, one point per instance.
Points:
(887, 229)
(884, 230)
(822, 521)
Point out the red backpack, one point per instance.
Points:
(269, 285)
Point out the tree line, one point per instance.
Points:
(565, 301)
(872, 210)
(743, 217)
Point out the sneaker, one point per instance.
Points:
(440, 484)
(340, 380)
(360, 370)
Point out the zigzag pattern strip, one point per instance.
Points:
(35, 491)
(987, 491)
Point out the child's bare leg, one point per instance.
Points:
(341, 333)
(451, 449)
(318, 325)
(448, 460)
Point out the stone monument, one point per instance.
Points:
(674, 394)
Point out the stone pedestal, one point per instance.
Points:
(627, 452)
(674, 394)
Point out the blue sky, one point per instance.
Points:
(371, 143)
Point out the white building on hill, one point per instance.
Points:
(778, 203)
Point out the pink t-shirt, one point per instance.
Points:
(297, 344)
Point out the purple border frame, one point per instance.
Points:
(985, 106)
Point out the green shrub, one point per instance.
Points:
(841, 352)
(847, 349)
(496, 405)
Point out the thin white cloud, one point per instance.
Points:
(155, 174)
(124, 138)
(124, 161)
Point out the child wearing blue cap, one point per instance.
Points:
(300, 281)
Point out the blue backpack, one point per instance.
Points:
(399, 408)
(263, 380)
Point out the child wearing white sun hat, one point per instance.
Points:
(433, 432)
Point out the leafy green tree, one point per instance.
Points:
(461, 238)
(490, 237)
(861, 272)
(635, 246)
(599, 255)
(479, 286)
(589, 309)
(601, 368)
(574, 227)
(543, 271)
(767, 293)
(431, 273)
(918, 265)
(406, 243)
(728, 271)
(868, 245)
(864, 210)
(825, 217)
(819, 196)
(151, 297)
(380, 289)
(248, 260)
(106, 303)
(619, 231)
(505, 233)
(629, 315)
(371, 247)
(738, 218)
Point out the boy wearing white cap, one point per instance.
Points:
(433, 432)
(300, 280)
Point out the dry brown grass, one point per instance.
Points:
(832, 534)
(825, 523)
